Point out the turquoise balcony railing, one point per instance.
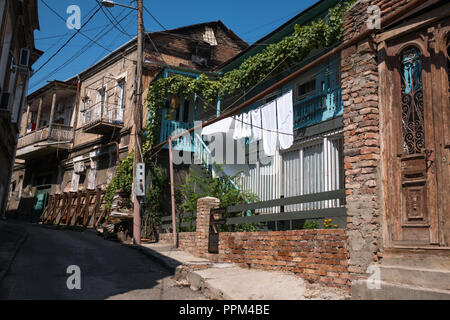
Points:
(316, 108)
(170, 128)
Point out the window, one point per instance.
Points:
(209, 36)
(412, 101)
(121, 101)
(100, 102)
(306, 88)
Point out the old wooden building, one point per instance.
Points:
(75, 132)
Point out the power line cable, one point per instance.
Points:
(154, 18)
(84, 35)
(115, 23)
(67, 42)
(102, 33)
(112, 43)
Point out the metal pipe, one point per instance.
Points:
(365, 33)
(77, 106)
(172, 195)
(138, 121)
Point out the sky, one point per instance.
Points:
(249, 19)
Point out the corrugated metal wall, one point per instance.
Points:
(316, 166)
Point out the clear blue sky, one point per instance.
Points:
(249, 19)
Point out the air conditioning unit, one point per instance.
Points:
(24, 57)
(4, 100)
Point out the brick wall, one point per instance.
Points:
(357, 16)
(362, 143)
(186, 240)
(204, 205)
(315, 255)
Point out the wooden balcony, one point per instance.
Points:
(44, 141)
(103, 119)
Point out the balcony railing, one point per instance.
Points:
(170, 128)
(58, 133)
(103, 112)
(317, 108)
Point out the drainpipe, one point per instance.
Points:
(77, 106)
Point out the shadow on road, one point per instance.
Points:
(107, 268)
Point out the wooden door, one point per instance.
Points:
(415, 129)
(440, 56)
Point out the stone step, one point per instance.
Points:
(395, 291)
(421, 277)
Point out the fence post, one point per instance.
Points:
(204, 205)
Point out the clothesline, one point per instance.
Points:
(264, 129)
(272, 123)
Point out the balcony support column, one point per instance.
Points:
(38, 119)
(52, 113)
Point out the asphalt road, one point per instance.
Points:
(108, 270)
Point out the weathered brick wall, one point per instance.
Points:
(357, 16)
(361, 145)
(315, 255)
(204, 205)
(186, 240)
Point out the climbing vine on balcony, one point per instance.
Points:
(289, 51)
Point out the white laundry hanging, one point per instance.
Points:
(237, 134)
(246, 125)
(285, 119)
(256, 124)
(269, 125)
(221, 126)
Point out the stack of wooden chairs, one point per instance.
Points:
(82, 208)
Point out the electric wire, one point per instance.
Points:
(154, 18)
(67, 42)
(102, 33)
(115, 23)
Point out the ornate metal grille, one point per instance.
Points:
(412, 101)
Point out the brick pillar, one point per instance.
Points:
(204, 205)
(361, 155)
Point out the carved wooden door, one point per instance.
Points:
(415, 133)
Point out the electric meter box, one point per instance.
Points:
(140, 179)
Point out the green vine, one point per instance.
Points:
(281, 55)
(122, 180)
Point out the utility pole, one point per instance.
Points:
(138, 122)
(137, 114)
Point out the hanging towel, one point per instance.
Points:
(269, 126)
(246, 125)
(237, 134)
(221, 126)
(285, 120)
(256, 124)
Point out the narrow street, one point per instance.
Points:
(109, 270)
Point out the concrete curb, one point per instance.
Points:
(168, 263)
(197, 282)
(19, 243)
(184, 272)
